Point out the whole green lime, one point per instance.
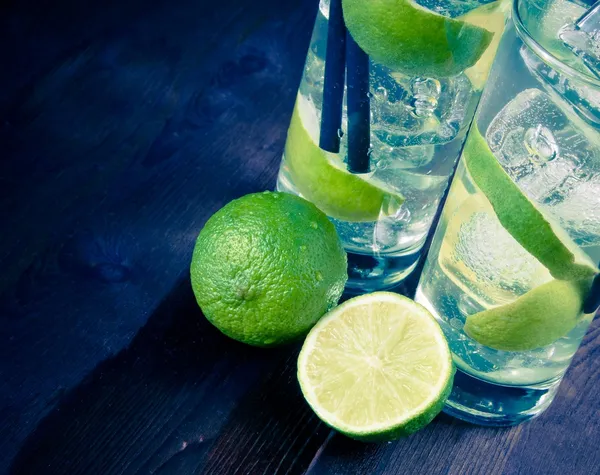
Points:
(266, 267)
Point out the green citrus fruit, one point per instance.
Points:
(321, 177)
(406, 37)
(266, 267)
(376, 368)
(536, 319)
(543, 239)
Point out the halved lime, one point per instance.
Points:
(376, 368)
(542, 238)
(321, 178)
(406, 37)
(536, 319)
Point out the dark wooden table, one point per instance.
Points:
(123, 126)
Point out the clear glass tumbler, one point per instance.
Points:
(373, 142)
(511, 270)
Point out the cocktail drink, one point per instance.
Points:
(510, 272)
(388, 91)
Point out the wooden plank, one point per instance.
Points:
(117, 152)
(561, 440)
(125, 125)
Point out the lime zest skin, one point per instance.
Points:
(338, 193)
(551, 310)
(410, 39)
(536, 319)
(520, 217)
(259, 285)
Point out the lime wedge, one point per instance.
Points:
(536, 319)
(408, 38)
(543, 239)
(321, 178)
(376, 368)
(492, 17)
(480, 257)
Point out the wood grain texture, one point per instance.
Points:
(133, 126)
(124, 126)
(561, 440)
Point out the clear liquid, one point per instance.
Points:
(475, 265)
(541, 129)
(418, 126)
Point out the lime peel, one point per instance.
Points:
(536, 319)
(408, 38)
(319, 176)
(543, 239)
(259, 285)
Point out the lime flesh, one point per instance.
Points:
(320, 177)
(536, 319)
(408, 38)
(376, 368)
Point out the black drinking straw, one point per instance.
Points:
(333, 87)
(593, 301)
(359, 110)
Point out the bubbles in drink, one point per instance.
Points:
(494, 273)
(553, 161)
(410, 111)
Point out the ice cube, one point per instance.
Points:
(583, 38)
(570, 94)
(451, 8)
(545, 18)
(479, 255)
(409, 110)
(554, 162)
(585, 45)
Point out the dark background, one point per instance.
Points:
(123, 127)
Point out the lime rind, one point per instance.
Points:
(551, 310)
(335, 325)
(321, 178)
(408, 38)
(536, 319)
(538, 234)
(259, 285)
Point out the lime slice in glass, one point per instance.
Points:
(541, 237)
(321, 177)
(376, 368)
(536, 319)
(408, 38)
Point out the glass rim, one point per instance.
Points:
(544, 54)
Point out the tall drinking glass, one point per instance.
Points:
(376, 132)
(510, 272)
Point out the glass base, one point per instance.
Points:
(488, 404)
(369, 272)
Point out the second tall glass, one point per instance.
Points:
(373, 141)
(512, 271)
